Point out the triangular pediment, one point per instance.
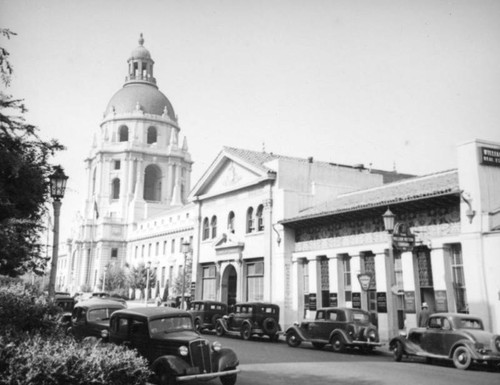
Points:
(228, 173)
(227, 241)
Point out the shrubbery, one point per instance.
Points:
(61, 360)
(33, 350)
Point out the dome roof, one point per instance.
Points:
(147, 96)
(140, 52)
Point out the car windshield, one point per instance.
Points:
(100, 314)
(470, 323)
(170, 324)
(361, 317)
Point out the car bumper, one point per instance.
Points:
(366, 343)
(206, 376)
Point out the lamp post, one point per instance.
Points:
(104, 278)
(148, 267)
(57, 188)
(185, 250)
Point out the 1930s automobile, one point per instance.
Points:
(339, 327)
(166, 337)
(251, 318)
(90, 318)
(206, 313)
(457, 337)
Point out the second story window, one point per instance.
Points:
(259, 218)
(230, 222)
(250, 220)
(213, 226)
(116, 189)
(206, 229)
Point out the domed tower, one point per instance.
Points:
(136, 168)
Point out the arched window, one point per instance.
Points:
(152, 136)
(206, 229)
(250, 220)
(152, 183)
(123, 134)
(93, 180)
(230, 222)
(259, 217)
(116, 188)
(213, 226)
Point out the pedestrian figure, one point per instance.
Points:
(423, 316)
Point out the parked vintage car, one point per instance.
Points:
(166, 337)
(91, 318)
(206, 313)
(251, 318)
(66, 302)
(339, 327)
(457, 337)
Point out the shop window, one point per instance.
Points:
(208, 285)
(255, 281)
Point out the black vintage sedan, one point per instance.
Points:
(457, 337)
(206, 313)
(175, 351)
(339, 327)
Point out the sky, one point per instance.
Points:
(387, 83)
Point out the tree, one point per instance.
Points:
(177, 287)
(116, 279)
(137, 278)
(24, 187)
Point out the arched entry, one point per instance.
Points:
(228, 285)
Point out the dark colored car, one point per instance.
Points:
(457, 337)
(166, 337)
(91, 318)
(66, 303)
(339, 327)
(206, 313)
(251, 318)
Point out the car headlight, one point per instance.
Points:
(104, 333)
(216, 346)
(372, 335)
(183, 351)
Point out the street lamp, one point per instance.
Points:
(389, 219)
(104, 278)
(148, 267)
(185, 250)
(57, 188)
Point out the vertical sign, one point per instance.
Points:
(334, 300)
(381, 302)
(356, 300)
(410, 302)
(312, 301)
(441, 301)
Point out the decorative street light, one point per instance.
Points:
(148, 267)
(104, 278)
(57, 188)
(389, 219)
(185, 250)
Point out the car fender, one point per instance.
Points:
(227, 359)
(342, 333)
(223, 323)
(469, 345)
(173, 363)
(408, 346)
(298, 331)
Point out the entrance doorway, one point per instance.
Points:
(229, 283)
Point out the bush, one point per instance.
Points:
(35, 359)
(23, 309)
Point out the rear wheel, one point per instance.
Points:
(246, 332)
(219, 330)
(397, 351)
(318, 345)
(338, 344)
(292, 339)
(462, 358)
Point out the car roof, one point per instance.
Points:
(209, 301)
(339, 308)
(99, 303)
(152, 312)
(256, 303)
(456, 315)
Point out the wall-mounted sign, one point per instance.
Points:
(365, 280)
(334, 300)
(356, 300)
(402, 238)
(312, 301)
(410, 302)
(441, 300)
(490, 156)
(382, 302)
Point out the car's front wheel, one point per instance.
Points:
(462, 358)
(338, 344)
(292, 339)
(219, 330)
(246, 332)
(166, 377)
(230, 379)
(397, 351)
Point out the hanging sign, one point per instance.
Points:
(402, 238)
(365, 280)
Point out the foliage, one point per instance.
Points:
(25, 309)
(24, 187)
(35, 359)
(137, 277)
(177, 287)
(116, 279)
